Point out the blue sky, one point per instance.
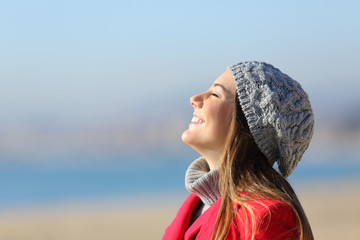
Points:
(69, 61)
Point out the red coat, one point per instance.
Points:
(282, 224)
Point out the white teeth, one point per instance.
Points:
(196, 120)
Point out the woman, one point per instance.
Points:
(252, 116)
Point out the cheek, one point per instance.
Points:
(221, 124)
(224, 116)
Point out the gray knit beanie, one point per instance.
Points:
(277, 110)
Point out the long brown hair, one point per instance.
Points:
(245, 169)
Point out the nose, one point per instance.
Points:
(196, 101)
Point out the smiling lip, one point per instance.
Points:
(197, 120)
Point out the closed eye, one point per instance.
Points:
(214, 94)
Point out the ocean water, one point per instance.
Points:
(26, 182)
(121, 176)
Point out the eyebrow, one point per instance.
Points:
(219, 85)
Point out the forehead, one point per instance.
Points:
(226, 82)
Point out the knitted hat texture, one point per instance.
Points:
(277, 110)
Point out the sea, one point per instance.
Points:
(26, 182)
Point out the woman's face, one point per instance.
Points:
(212, 115)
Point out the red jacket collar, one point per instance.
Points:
(179, 229)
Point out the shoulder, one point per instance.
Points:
(265, 207)
(267, 219)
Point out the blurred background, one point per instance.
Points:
(94, 96)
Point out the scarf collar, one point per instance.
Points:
(203, 182)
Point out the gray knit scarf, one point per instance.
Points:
(203, 182)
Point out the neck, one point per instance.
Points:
(213, 158)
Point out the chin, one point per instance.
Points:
(185, 137)
(191, 140)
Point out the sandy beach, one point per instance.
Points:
(333, 210)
